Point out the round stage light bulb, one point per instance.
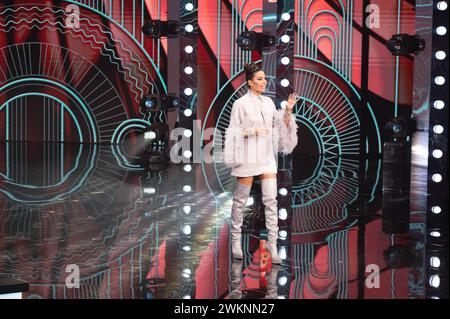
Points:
(439, 80)
(442, 5)
(186, 229)
(440, 55)
(186, 248)
(435, 281)
(285, 60)
(282, 281)
(285, 16)
(437, 178)
(187, 112)
(187, 209)
(282, 253)
(282, 214)
(187, 168)
(283, 191)
(149, 190)
(189, 6)
(283, 104)
(435, 234)
(283, 234)
(186, 273)
(284, 83)
(438, 129)
(188, 91)
(150, 135)
(438, 104)
(187, 133)
(186, 297)
(436, 209)
(435, 262)
(187, 188)
(188, 70)
(249, 201)
(437, 153)
(189, 28)
(441, 30)
(187, 154)
(188, 49)
(285, 38)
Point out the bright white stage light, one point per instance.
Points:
(187, 133)
(437, 178)
(436, 209)
(437, 153)
(285, 38)
(438, 129)
(442, 5)
(187, 229)
(441, 30)
(284, 83)
(187, 154)
(149, 190)
(435, 262)
(435, 281)
(189, 6)
(282, 214)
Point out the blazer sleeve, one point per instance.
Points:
(285, 137)
(234, 137)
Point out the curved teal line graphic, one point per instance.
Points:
(322, 195)
(73, 189)
(66, 89)
(369, 107)
(104, 46)
(124, 125)
(336, 87)
(117, 137)
(51, 97)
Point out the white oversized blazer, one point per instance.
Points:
(255, 155)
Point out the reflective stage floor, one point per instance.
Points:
(134, 233)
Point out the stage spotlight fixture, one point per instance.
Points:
(405, 44)
(251, 40)
(400, 128)
(150, 103)
(161, 29)
(155, 103)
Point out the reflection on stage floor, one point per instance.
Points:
(133, 233)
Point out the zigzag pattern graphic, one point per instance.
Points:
(100, 35)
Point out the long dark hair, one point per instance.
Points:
(250, 70)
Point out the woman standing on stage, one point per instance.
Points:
(257, 132)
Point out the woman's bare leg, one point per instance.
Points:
(246, 180)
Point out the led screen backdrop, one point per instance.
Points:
(75, 71)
